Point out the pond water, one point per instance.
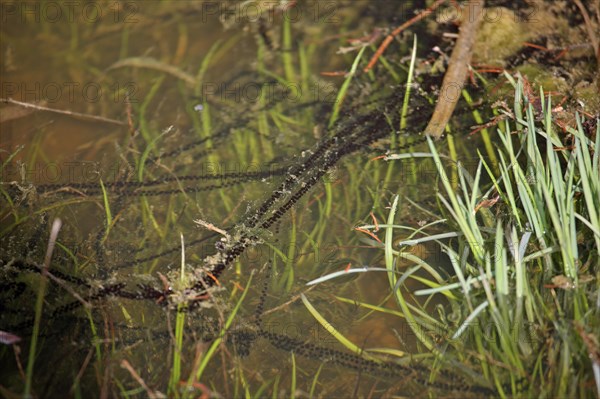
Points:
(148, 116)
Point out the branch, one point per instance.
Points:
(61, 112)
(457, 69)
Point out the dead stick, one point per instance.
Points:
(592, 34)
(126, 365)
(589, 26)
(61, 112)
(457, 69)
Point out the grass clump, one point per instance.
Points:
(524, 260)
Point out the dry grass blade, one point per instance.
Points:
(56, 225)
(151, 63)
(7, 338)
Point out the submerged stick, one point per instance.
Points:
(457, 69)
(61, 112)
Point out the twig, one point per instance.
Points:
(212, 227)
(62, 112)
(589, 26)
(17, 351)
(457, 69)
(61, 283)
(151, 394)
(386, 42)
(283, 305)
(592, 34)
(82, 370)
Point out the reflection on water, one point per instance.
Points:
(208, 108)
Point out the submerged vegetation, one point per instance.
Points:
(207, 241)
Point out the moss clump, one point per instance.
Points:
(587, 95)
(541, 76)
(500, 36)
(502, 32)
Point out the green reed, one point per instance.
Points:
(502, 271)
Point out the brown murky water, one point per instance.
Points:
(161, 76)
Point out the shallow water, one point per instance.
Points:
(166, 77)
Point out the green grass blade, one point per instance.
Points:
(342, 93)
(331, 329)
